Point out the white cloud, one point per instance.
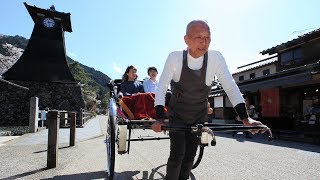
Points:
(116, 67)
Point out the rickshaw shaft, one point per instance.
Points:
(148, 139)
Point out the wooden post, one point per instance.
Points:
(34, 112)
(72, 129)
(53, 137)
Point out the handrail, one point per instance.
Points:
(84, 116)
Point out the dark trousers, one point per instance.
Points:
(183, 148)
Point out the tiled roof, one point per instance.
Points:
(300, 39)
(64, 17)
(256, 64)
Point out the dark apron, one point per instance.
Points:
(188, 106)
(189, 100)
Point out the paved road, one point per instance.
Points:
(232, 158)
(25, 157)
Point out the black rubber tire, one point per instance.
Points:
(110, 143)
(201, 148)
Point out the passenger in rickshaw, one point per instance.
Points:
(129, 84)
(132, 98)
(137, 104)
(151, 84)
(190, 73)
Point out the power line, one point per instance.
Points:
(300, 32)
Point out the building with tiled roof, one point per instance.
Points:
(283, 87)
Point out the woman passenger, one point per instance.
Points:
(129, 84)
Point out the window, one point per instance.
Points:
(291, 57)
(252, 75)
(241, 78)
(266, 72)
(286, 58)
(297, 55)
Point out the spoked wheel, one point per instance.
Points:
(110, 143)
(198, 156)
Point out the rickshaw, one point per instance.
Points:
(119, 129)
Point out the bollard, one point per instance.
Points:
(33, 119)
(72, 129)
(53, 120)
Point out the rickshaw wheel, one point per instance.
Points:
(201, 148)
(110, 143)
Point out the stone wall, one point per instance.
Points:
(13, 130)
(15, 101)
(15, 105)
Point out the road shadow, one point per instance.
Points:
(263, 138)
(89, 175)
(25, 174)
(63, 147)
(154, 175)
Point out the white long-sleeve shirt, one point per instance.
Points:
(216, 66)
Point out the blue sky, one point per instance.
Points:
(110, 35)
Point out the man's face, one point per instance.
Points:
(198, 40)
(153, 74)
(132, 74)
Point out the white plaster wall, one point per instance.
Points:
(258, 72)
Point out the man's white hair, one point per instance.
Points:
(198, 21)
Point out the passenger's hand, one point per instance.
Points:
(157, 126)
(251, 122)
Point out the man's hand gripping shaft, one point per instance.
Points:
(160, 119)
